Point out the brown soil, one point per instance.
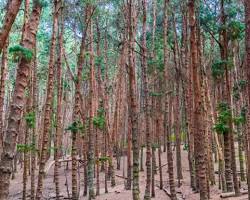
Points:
(118, 192)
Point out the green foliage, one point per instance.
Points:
(224, 115)
(236, 93)
(241, 119)
(104, 159)
(239, 87)
(66, 85)
(43, 3)
(24, 148)
(99, 60)
(75, 127)
(238, 120)
(30, 119)
(207, 18)
(218, 69)
(19, 52)
(185, 147)
(243, 112)
(99, 120)
(219, 66)
(155, 94)
(235, 30)
(242, 84)
(155, 145)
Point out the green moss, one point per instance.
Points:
(19, 51)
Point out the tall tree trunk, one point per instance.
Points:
(230, 162)
(91, 157)
(29, 124)
(168, 106)
(132, 22)
(198, 123)
(17, 104)
(48, 103)
(33, 134)
(146, 102)
(77, 112)
(177, 107)
(59, 127)
(10, 16)
(247, 21)
(2, 93)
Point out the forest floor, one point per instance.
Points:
(118, 192)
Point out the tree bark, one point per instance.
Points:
(247, 41)
(132, 22)
(2, 93)
(17, 104)
(91, 156)
(59, 127)
(198, 123)
(146, 102)
(10, 16)
(48, 104)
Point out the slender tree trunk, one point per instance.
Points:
(199, 135)
(48, 104)
(146, 102)
(132, 22)
(230, 162)
(10, 16)
(17, 103)
(59, 128)
(177, 107)
(169, 149)
(247, 21)
(168, 106)
(2, 93)
(33, 134)
(91, 159)
(77, 112)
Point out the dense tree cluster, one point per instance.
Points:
(91, 88)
